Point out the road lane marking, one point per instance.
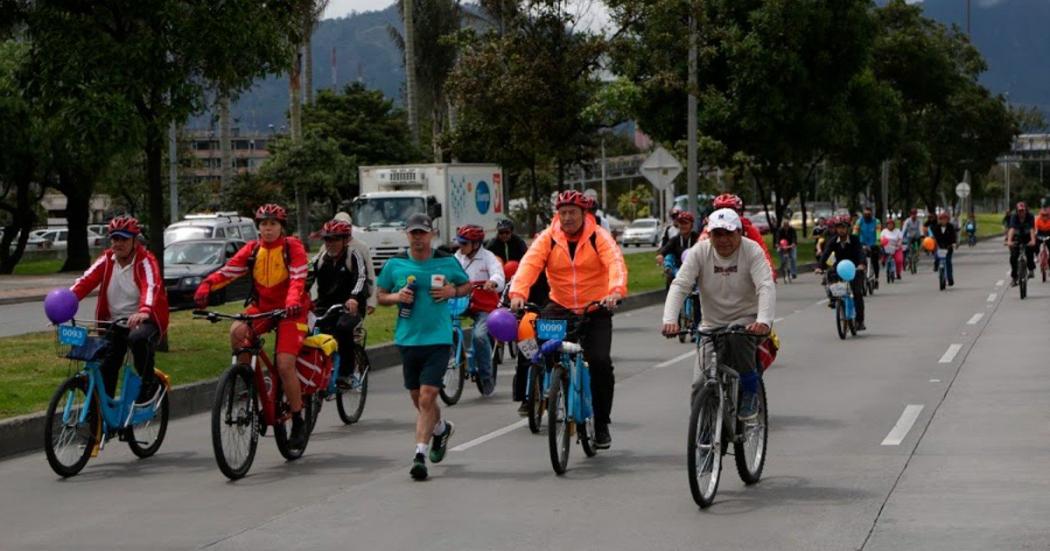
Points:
(975, 319)
(991, 297)
(675, 359)
(1000, 283)
(778, 320)
(494, 434)
(949, 354)
(935, 380)
(904, 424)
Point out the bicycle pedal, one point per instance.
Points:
(572, 429)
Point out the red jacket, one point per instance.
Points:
(276, 285)
(153, 299)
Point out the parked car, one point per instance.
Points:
(59, 237)
(188, 262)
(643, 231)
(35, 242)
(759, 221)
(221, 225)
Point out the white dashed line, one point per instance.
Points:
(778, 320)
(821, 301)
(904, 424)
(674, 360)
(1000, 283)
(935, 380)
(494, 434)
(991, 297)
(975, 319)
(949, 354)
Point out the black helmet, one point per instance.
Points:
(505, 224)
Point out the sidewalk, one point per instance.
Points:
(16, 289)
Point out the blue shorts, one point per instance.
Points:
(424, 365)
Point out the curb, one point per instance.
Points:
(4, 301)
(25, 433)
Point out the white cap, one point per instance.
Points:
(723, 219)
(343, 217)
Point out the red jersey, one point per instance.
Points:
(277, 283)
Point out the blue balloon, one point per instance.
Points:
(846, 270)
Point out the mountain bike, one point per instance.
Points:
(461, 361)
(349, 398)
(249, 399)
(82, 417)
(713, 423)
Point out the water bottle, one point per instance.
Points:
(405, 310)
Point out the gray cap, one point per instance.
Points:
(419, 221)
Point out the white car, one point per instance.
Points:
(643, 231)
(59, 238)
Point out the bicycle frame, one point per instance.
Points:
(117, 413)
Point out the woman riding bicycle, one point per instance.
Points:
(278, 267)
(894, 241)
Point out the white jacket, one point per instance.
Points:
(484, 266)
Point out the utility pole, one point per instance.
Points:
(173, 174)
(885, 191)
(691, 117)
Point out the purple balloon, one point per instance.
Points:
(60, 305)
(503, 325)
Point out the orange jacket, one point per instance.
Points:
(593, 273)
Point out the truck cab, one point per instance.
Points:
(379, 220)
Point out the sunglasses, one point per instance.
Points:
(504, 232)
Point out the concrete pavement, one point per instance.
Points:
(968, 473)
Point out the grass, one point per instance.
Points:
(38, 267)
(642, 273)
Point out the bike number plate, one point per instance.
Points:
(551, 329)
(72, 335)
(942, 253)
(528, 347)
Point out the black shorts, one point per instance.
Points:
(424, 365)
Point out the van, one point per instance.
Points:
(219, 225)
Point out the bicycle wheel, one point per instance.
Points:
(234, 422)
(942, 280)
(536, 403)
(559, 428)
(703, 449)
(913, 262)
(283, 429)
(455, 372)
(314, 410)
(68, 444)
(145, 438)
(841, 323)
(351, 403)
(750, 451)
(1022, 278)
(512, 348)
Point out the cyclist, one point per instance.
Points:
(129, 286)
(730, 201)
(599, 216)
(421, 280)
(277, 265)
(912, 230)
(362, 249)
(1021, 234)
(670, 230)
(678, 244)
(507, 245)
(971, 228)
(735, 289)
(787, 233)
(1042, 224)
(867, 230)
(341, 276)
(583, 264)
(894, 240)
(947, 238)
(486, 274)
(846, 247)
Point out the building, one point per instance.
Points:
(55, 205)
(249, 151)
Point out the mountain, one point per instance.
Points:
(1011, 34)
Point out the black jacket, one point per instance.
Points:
(851, 250)
(513, 249)
(679, 244)
(339, 279)
(945, 236)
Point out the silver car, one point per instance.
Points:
(643, 231)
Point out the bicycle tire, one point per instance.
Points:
(351, 403)
(586, 435)
(941, 278)
(559, 430)
(536, 403)
(1023, 285)
(88, 432)
(840, 319)
(750, 469)
(455, 373)
(161, 418)
(314, 411)
(704, 458)
(247, 420)
(282, 430)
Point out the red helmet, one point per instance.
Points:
(470, 232)
(840, 220)
(335, 228)
(574, 198)
(509, 269)
(126, 226)
(685, 217)
(729, 201)
(271, 211)
(1022, 206)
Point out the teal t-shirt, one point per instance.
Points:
(430, 322)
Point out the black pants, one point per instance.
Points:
(142, 341)
(875, 254)
(596, 340)
(1029, 254)
(342, 329)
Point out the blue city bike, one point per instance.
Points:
(570, 411)
(689, 316)
(461, 359)
(841, 293)
(82, 417)
(942, 268)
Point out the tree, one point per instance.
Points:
(313, 167)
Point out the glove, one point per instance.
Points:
(292, 310)
(200, 298)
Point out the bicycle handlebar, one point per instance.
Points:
(215, 317)
(721, 332)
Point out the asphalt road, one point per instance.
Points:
(845, 469)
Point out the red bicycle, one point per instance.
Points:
(248, 399)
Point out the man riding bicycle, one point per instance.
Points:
(341, 275)
(671, 253)
(583, 264)
(1042, 224)
(867, 230)
(1021, 234)
(944, 234)
(507, 245)
(129, 286)
(846, 247)
(486, 273)
(736, 288)
(277, 265)
(911, 230)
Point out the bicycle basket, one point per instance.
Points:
(458, 305)
(838, 289)
(94, 348)
(75, 342)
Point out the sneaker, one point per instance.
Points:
(439, 443)
(1013, 282)
(147, 391)
(1031, 275)
(748, 406)
(602, 438)
(344, 383)
(298, 438)
(523, 410)
(419, 467)
(488, 386)
(861, 326)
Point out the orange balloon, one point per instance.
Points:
(929, 244)
(527, 326)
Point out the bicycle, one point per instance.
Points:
(1044, 255)
(913, 256)
(1022, 270)
(891, 268)
(538, 379)
(942, 268)
(690, 314)
(569, 404)
(871, 275)
(461, 362)
(713, 423)
(82, 417)
(249, 399)
(971, 238)
(349, 399)
(841, 293)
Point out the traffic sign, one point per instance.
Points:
(661, 168)
(962, 190)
